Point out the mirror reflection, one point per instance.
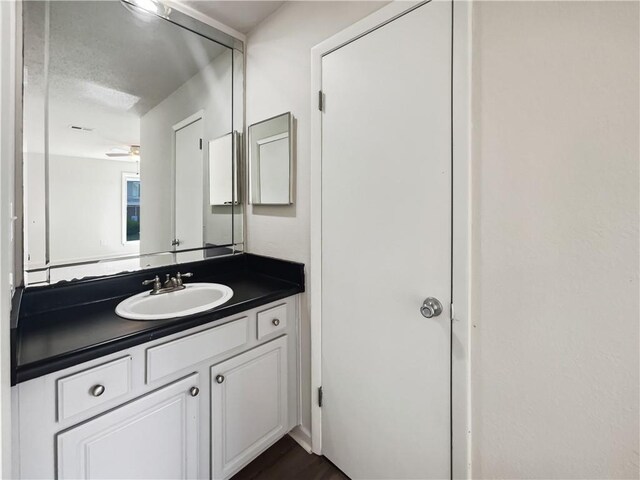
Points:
(270, 161)
(123, 116)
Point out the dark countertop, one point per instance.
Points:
(63, 325)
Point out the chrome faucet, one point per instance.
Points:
(171, 284)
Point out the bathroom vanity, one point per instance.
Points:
(99, 396)
(132, 162)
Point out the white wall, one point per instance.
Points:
(9, 26)
(555, 223)
(85, 208)
(209, 90)
(555, 250)
(278, 75)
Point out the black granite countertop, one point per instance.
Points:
(63, 325)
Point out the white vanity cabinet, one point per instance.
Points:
(249, 405)
(154, 437)
(201, 403)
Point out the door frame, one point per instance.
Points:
(461, 220)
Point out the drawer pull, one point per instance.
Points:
(271, 321)
(194, 391)
(97, 390)
(219, 378)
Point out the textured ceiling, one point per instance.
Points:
(240, 15)
(107, 54)
(108, 66)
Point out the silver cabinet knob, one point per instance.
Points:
(97, 390)
(275, 322)
(431, 307)
(219, 378)
(194, 391)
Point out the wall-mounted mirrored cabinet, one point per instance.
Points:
(271, 161)
(130, 152)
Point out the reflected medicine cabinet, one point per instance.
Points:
(223, 165)
(271, 161)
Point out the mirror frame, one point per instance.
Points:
(42, 275)
(290, 125)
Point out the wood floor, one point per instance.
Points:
(286, 460)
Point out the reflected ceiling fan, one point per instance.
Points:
(133, 151)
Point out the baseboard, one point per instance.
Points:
(302, 436)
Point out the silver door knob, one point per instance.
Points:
(194, 391)
(275, 322)
(219, 378)
(431, 307)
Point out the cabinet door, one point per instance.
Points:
(249, 405)
(154, 437)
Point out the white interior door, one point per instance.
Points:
(386, 246)
(189, 191)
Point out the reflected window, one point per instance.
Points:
(131, 208)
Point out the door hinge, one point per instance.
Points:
(320, 397)
(200, 144)
(451, 312)
(321, 101)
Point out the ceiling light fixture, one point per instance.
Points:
(132, 151)
(152, 6)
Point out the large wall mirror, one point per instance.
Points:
(131, 122)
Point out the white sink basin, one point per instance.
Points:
(195, 298)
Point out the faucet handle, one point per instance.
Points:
(180, 276)
(156, 283)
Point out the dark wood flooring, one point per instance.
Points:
(286, 460)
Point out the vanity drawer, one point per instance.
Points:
(272, 320)
(184, 352)
(93, 387)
